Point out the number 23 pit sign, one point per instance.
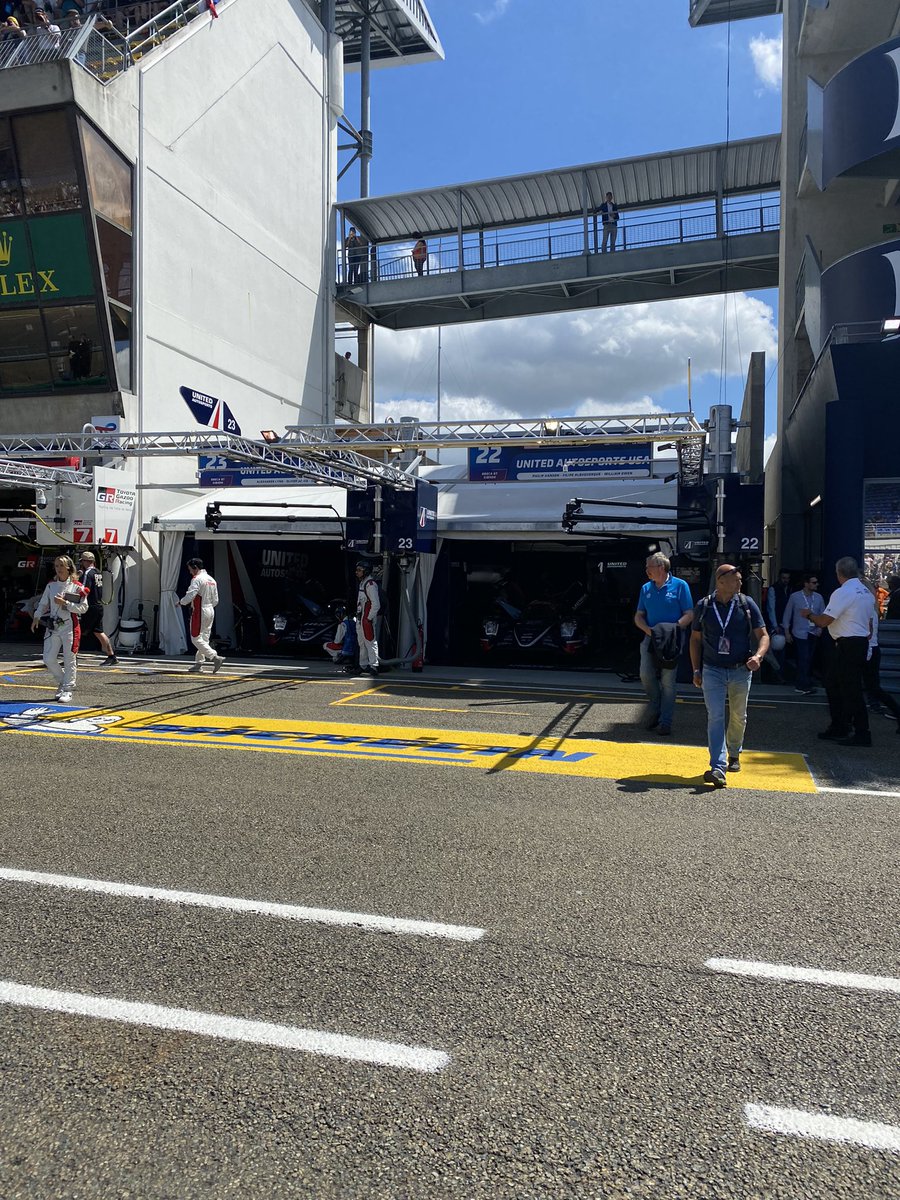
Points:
(502, 464)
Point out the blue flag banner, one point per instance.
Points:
(207, 410)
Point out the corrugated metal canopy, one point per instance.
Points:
(401, 29)
(677, 176)
(714, 12)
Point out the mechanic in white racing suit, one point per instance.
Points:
(62, 602)
(203, 596)
(368, 609)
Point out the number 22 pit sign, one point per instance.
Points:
(502, 464)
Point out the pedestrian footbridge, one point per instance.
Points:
(692, 222)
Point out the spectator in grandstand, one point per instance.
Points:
(802, 632)
(893, 604)
(12, 31)
(609, 211)
(848, 618)
(420, 255)
(71, 11)
(48, 31)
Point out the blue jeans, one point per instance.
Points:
(719, 683)
(659, 686)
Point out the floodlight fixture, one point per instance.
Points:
(269, 435)
(890, 325)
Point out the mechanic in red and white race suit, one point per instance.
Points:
(203, 596)
(368, 609)
(62, 602)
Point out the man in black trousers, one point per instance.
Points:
(848, 617)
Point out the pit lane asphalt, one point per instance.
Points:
(591, 1052)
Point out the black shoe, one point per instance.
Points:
(734, 762)
(651, 722)
(715, 777)
(831, 735)
(664, 730)
(856, 739)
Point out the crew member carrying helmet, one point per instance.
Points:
(368, 609)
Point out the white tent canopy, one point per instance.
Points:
(465, 510)
(191, 516)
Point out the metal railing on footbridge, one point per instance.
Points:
(98, 45)
(392, 261)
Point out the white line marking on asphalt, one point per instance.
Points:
(859, 792)
(783, 971)
(287, 912)
(796, 1123)
(234, 1029)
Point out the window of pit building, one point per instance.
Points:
(46, 159)
(10, 198)
(110, 184)
(53, 349)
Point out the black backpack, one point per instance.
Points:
(703, 609)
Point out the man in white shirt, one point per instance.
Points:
(848, 618)
(802, 632)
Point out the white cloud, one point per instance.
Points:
(497, 9)
(616, 360)
(768, 447)
(766, 53)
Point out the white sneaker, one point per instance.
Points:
(64, 697)
(217, 662)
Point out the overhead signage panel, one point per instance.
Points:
(502, 464)
(217, 471)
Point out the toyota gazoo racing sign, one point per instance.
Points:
(114, 501)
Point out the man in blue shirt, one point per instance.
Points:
(729, 640)
(663, 598)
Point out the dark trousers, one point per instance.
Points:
(872, 684)
(844, 685)
(805, 648)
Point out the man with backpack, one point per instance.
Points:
(729, 640)
(92, 621)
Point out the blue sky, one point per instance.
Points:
(528, 85)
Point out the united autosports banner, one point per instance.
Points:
(501, 464)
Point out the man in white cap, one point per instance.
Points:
(92, 621)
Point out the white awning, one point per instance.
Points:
(273, 520)
(505, 510)
(465, 510)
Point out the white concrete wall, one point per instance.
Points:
(235, 190)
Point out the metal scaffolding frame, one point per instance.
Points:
(334, 464)
(344, 455)
(682, 430)
(25, 474)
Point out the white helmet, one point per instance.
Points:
(777, 641)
